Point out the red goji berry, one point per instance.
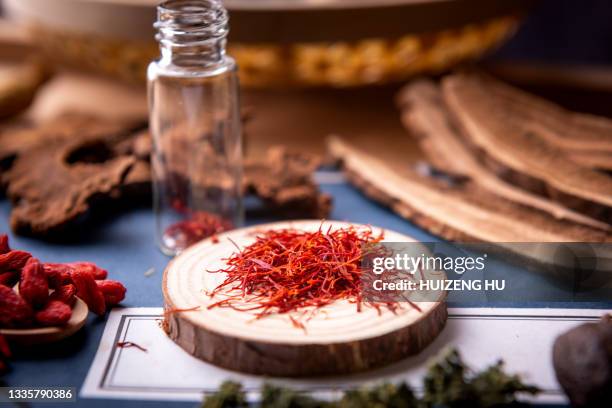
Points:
(9, 278)
(55, 313)
(113, 291)
(5, 350)
(89, 291)
(57, 274)
(13, 260)
(4, 244)
(5, 354)
(14, 311)
(97, 272)
(33, 284)
(65, 294)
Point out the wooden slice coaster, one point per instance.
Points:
(337, 340)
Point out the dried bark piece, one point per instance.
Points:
(50, 191)
(283, 180)
(69, 125)
(576, 133)
(137, 183)
(81, 160)
(519, 153)
(601, 160)
(60, 169)
(16, 141)
(456, 211)
(426, 116)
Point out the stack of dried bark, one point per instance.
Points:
(502, 165)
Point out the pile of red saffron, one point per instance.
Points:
(197, 226)
(287, 270)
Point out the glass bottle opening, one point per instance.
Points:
(192, 31)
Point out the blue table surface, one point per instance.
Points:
(125, 246)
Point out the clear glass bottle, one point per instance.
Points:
(195, 125)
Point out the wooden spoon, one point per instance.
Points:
(39, 335)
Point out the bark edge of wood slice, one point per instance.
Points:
(337, 341)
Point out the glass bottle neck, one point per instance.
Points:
(192, 33)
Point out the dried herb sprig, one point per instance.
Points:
(448, 383)
(383, 396)
(230, 395)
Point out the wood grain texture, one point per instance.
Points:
(457, 212)
(337, 340)
(520, 148)
(428, 119)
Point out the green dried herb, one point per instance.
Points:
(279, 397)
(230, 395)
(448, 383)
(382, 396)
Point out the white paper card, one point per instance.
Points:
(523, 338)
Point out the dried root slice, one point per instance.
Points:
(519, 152)
(426, 116)
(457, 211)
(571, 131)
(601, 160)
